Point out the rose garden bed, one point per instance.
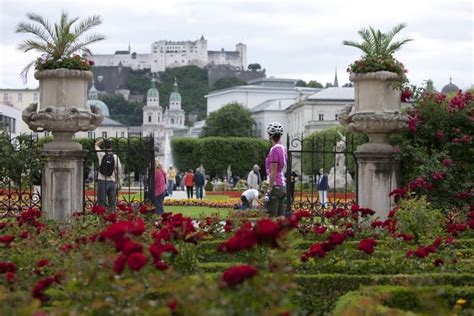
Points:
(132, 261)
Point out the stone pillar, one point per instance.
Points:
(377, 114)
(62, 184)
(377, 175)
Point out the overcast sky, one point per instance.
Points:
(291, 39)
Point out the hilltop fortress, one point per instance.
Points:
(169, 54)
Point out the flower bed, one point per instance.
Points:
(196, 202)
(133, 260)
(232, 194)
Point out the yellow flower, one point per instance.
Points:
(461, 301)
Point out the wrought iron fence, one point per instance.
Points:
(137, 158)
(311, 158)
(20, 173)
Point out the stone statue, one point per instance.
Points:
(339, 149)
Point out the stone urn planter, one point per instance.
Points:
(377, 114)
(377, 109)
(63, 111)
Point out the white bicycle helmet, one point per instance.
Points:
(275, 128)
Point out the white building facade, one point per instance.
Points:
(170, 54)
(10, 119)
(20, 99)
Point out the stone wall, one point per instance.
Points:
(215, 74)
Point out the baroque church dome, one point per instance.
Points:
(450, 87)
(153, 91)
(175, 96)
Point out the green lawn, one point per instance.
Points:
(198, 211)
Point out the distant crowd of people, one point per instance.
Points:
(273, 198)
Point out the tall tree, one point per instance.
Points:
(301, 83)
(57, 41)
(254, 67)
(231, 120)
(315, 84)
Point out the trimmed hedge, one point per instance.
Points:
(217, 153)
(437, 299)
(319, 293)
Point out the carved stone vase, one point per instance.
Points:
(63, 97)
(377, 114)
(63, 111)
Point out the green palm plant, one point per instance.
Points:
(376, 43)
(58, 41)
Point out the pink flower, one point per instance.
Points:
(447, 162)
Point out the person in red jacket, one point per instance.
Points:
(189, 183)
(160, 187)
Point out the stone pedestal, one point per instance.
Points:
(62, 184)
(378, 174)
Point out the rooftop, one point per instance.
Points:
(273, 105)
(257, 88)
(340, 94)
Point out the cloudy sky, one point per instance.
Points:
(292, 38)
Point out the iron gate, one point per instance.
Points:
(306, 156)
(137, 156)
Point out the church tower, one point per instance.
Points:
(152, 112)
(336, 83)
(175, 115)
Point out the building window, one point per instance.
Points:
(8, 123)
(321, 117)
(336, 117)
(122, 134)
(20, 97)
(5, 97)
(172, 121)
(35, 96)
(104, 134)
(149, 118)
(90, 134)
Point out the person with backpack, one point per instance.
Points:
(108, 179)
(189, 183)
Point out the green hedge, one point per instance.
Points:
(319, 293)
(217, 153)
(431, 299)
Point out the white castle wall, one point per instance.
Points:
(167, 54)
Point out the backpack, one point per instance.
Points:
(107, 165)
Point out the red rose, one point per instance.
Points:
(337, 238)
(131, 247)
(6, 266)
(172, 305)
(430, 249)
(237, 274)
(40, 287)
(320, 229)
(447, 162)
(97, 209)
(437, 242)
(136, 261)
(91, 62)
(10, 276)
(367, 245)
(42, 263)
(161, 265)
(6, 239)
(138, 227)
(317, 250)
(267, 229)
(3, 225)
(421, 252)
(119, 264)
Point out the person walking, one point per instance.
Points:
(254, 181)
(178, 180)
(170, 176)
(323, 187)
(275, 165)
(199, 182)
(160, 187)
(189, 183)
(109, 176)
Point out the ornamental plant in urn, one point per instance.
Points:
(63, 77)
(376, 77)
